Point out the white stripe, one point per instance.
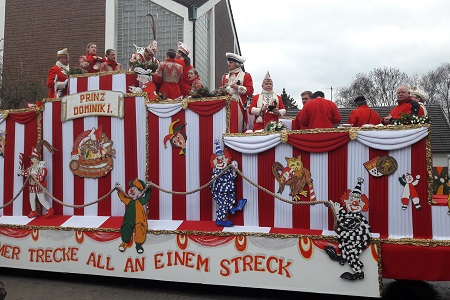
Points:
(440, 222)
(357, 155)
(73, 85)
(2, 169)
(319, 174)
(118, 171)
(68, 177)
(400, 221)
(192, 166)
(19, 147)
(141, 121)
(283, 210)
(250, 170)
(119, 82)
(90, 184)
(47, 156)
(165, 171)
(93, 83)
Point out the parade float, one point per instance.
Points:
(135, 187)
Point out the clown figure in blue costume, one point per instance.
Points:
(223, 187)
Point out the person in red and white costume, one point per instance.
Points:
(111, 63)
(39, 172)
(145, 55)
(184, 60)
(91, 61)
(237, 82)
(146, 83)
(267, 106)
(405, 105)
(168, 76)
(195, 79)
(58, 75)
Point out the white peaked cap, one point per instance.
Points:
(267, 77)
(183, 48)
(62, 52)
(235, 57)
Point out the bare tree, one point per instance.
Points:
(378, 87)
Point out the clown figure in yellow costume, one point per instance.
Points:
(135, 218)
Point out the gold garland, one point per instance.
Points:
(106, 73)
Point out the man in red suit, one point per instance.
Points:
(296, 124)
(267, 106)
(58, 75)
(405, 105)
(363, 114)
(320, 113)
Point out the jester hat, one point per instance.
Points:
(173, 131)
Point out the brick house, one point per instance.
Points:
(32, 33)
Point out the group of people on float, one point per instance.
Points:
(177, 78)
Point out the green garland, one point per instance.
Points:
(408, 119)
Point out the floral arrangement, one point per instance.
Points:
(144, 65)
(76, 70)
(275, 126)
(204, 92)
(408, 119)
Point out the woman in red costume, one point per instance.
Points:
(168, 76)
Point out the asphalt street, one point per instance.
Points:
(25, 285)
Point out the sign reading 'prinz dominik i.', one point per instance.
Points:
(92, 103)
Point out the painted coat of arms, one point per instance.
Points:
(92, 154)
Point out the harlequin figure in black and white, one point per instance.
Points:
(353, 232)
(223, 188)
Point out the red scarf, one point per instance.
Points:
(112, 63)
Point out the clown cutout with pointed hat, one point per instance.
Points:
(223, 187)
(38, 172)
(353, 231)
(177, 137)
(267, 106)
(135, 218)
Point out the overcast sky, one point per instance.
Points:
(319, 44)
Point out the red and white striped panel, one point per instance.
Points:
(116, 82)
(21, 134)
(129, 140)
(334, 172)
(205, 122)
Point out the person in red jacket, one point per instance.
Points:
(58, 75)
(296, 123)
(91, 62)
(320, 113)
(111, 63)
(183, 59)
(363, 114)
(267, 106)
(405, 105)
(168, 76)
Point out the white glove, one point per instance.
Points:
(134, 89)
(235, 164)
(62, 85)
(418, 177)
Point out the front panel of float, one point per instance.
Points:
(170, 190)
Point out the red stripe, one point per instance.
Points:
(82, 84)
(337, 177)
(9, 155)
(105, 83)
(30, 132)
(422, 223)
(378, 199)
(266, 202)
(206, 146)
(57, 157)
(131, 80)
(301, 213)
(178, 171)
(104, 183)
(78, 182)
(153, 163)
(238, 218)
(130, 140)
(234, 113)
